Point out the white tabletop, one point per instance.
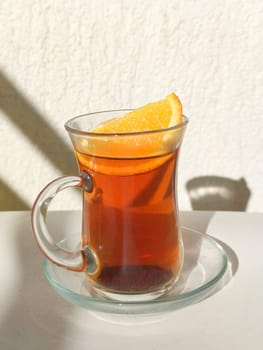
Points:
(33, 316)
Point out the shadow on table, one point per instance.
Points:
(32, 321)
(201, 224)
(217, 193)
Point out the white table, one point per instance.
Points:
(33, 316)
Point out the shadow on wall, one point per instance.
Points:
(218, 193)
(31, 122)
(9, 200)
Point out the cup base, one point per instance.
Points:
(92, 290)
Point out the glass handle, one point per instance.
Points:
(83, 260)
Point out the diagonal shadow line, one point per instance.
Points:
(33, 125)
(9, 200)
(148, 193)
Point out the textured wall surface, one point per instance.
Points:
(63, 58)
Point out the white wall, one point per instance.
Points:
(63, 58)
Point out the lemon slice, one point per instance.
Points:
(153, 116)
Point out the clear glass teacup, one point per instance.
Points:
(130, 245)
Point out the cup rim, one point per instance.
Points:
(76, 131)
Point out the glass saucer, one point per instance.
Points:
(205, 263)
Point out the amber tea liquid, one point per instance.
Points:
(130, 220)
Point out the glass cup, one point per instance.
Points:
(130, 245)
